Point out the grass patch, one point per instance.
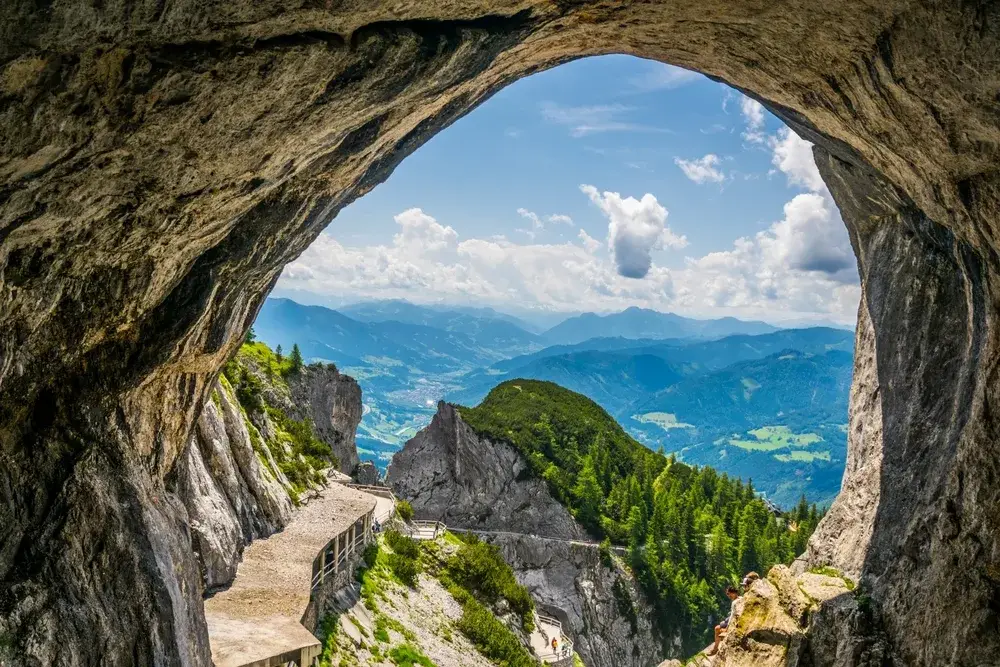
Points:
(404, 561)
(408, 655)
(803, 457)
(771, 438)
(664, 420)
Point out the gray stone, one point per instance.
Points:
(367, 473)
(450, 474)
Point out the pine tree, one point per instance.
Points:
(277, 353)
(250, 337)
(588, 493)
(296, 358)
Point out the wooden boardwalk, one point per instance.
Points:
(257, 620)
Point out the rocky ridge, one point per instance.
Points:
(450, 473)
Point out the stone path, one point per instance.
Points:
(259, 615)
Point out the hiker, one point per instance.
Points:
(555, 645)
(749, 579)
(721, 628)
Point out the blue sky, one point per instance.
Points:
(602, 183)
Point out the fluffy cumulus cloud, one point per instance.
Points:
(636, 227)
(753, 113)
(702, 170)
(800, 267)
(793, 156)
(803, 263)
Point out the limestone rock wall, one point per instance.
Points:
(333, 402)
(234, 492)
(161, 161)
(449, 473)
(570, 582)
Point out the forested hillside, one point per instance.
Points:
(689, 531)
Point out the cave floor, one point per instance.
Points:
(258, 616)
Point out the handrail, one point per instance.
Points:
(351, 546)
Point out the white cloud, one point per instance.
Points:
(753, 112)
(538, 224)
(586, 120)
(702, 170)
(636, 227)
(590, 244)
(801, 267)
(659, 76)
(793, 156)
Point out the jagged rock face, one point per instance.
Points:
(232, 492)
(333, 402)
(570, 581)
(160, 163)
(449, 473)
(799, 620)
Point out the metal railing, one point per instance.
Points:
(425, 530)
(564, 645)
(383, 491)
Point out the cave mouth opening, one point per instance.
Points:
(158, 179)
(607, 183)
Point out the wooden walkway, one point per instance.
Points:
(257, 620)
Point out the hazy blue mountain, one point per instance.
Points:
(504, 334)
(791, 387)
(771, 407)
(574, 366)
(326, 334)
(644, 323)
(612, 379)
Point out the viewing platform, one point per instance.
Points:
(258, 620)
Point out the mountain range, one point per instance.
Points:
(744, 397)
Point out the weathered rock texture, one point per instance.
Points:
(450, 474)
(600, 606)
(333, 402)
(161, 161)
(233, 492)
(804, 620)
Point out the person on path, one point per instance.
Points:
(721, 628)
(555, 644)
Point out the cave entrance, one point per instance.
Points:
(607, 183)
(162, 166)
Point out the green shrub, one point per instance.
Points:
(404, 509)
(492, 638)
(481, 569)
(401, 544)
(408, 655)
(370, 555)
(405, 569)
(328, 636)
